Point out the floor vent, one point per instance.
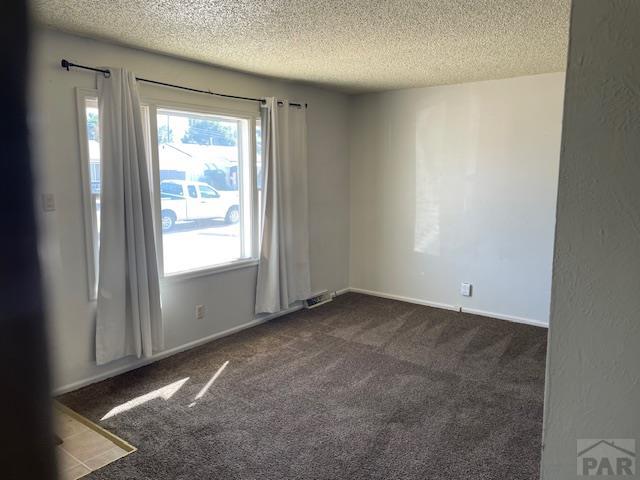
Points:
(318, 299)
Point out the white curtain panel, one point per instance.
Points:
(129, 319)
(283, 271)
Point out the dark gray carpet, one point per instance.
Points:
(362, 388)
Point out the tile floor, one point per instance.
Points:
(83, 449)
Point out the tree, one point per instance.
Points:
(209, 132)
(92, 126)
(165, 134)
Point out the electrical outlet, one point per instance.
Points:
(466, 289)
(200, 312)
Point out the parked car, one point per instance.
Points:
(185, 201)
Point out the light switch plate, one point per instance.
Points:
(48, 202)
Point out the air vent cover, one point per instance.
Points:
(318, 299)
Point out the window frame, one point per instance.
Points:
(249, 199)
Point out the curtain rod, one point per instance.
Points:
(66, 64)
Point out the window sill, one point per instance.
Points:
(225, 267)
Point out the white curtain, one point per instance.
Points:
(128, 315)
(283, 271)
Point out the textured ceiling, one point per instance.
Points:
(352, 45)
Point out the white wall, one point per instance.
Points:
(458, 183)
(593, 363)
(228, 296)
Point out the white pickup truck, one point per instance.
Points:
(185, 201)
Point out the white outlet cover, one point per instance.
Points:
(465, 289)
(200, 312)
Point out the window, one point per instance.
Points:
(90, 170)
(205, 185)
(210, 156)
(88, 116)
(259, 175)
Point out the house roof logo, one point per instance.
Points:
(606, 457)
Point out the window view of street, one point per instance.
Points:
(205, 212)
(200, 189)
(93, 200)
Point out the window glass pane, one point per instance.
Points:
(94, 149)
(259, 171)
(91, 117)
(205, 155)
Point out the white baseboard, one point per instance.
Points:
(510, 318)
(499, 316)
(417, 301)
(167, 353)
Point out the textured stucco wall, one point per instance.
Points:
(593, 378)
